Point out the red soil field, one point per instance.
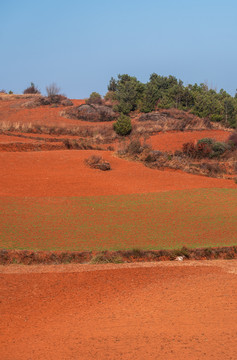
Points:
(12, 111)
(148, 311)
(64, 173)
(171, 141)
(140, 311)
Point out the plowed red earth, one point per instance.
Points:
(64, 173)
(171, 141)
(163, 311)
(13, 112)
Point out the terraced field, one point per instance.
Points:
(168, 220)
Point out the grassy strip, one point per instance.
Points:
(169, 220)
(136, 255)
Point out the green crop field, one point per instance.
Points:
(168, 220)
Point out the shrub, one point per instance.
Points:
(203, 150)
(233, 139)
(134, 147)
(189, 149)
(208, 141)
(110, 95)
(97, 162)
(105, 258)
(32, 89)
(123, 125)
(10, 92)
(52, 89)
(218, 148)
(94, 98)
(216, 117)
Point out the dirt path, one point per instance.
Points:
(138, 311)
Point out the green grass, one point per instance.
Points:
(168, 220)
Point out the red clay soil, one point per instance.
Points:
(171, 141)
(35, 146)
(168, 311)
(8, 139)
(64, 173)
(11, 111)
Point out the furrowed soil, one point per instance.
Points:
(140, 311)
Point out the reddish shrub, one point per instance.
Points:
(233, 139)
(189, 149)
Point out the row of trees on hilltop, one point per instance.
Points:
(169, 92)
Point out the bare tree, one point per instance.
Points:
(52, 89)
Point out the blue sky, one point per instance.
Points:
(79, 45)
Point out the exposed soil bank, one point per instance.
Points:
(168, 311)
(28, 257)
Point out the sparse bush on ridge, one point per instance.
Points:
(95, 98)
(92, 113)
(52, 89)
(32, 89)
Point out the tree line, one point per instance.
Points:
(168, 92)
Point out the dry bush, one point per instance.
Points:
(205, 148)
(97, 162)
(167, 120)
(133, 146)
(52, 90)
(79, 144)
(199, 150)
(32, 89)
(53, 100)
(105, 134)
(233, 139)
(93, 113)
(106, 257)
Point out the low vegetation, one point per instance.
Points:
(32, 89)
(95, 98)
(90, 112)
(97, 162)
(207, 157)
(100, 134)
(27, 257)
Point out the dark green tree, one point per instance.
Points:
(123, 125)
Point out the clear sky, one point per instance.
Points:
(79, 45)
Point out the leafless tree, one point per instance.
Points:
(52, 89)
